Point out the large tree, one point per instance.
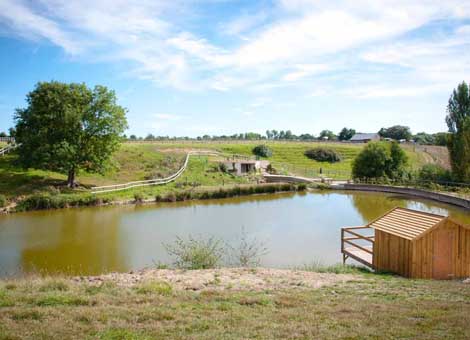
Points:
(327, 134)
(458, 121)
(68, 128)
(380, 160)
(346, 134)
(396, 132)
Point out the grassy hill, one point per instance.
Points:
(140, 161)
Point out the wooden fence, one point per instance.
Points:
(156, 181)
(7, 149)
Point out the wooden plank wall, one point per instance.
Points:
(392, 253)
(422, 254)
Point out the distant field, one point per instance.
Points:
(140, 161)
(290, 156)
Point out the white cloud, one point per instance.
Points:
(24, 22)
(284, 45)
(302, 71)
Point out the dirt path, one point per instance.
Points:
(258, 279)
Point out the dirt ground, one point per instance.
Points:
(258, 279)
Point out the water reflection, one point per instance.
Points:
(297, 228)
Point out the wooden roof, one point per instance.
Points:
(406, 223)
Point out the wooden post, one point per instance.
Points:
(342, 246)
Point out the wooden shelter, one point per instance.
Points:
(411, 243)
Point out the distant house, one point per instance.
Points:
(240, 167)
(364, 137)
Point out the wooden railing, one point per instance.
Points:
(156, 181)
(351, 249)
(7, 149)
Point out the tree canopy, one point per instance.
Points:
(327, 134)
(68, 128)
(346, 134)
(262, 151)
(458, 122)
(380, 160)
(396, 132)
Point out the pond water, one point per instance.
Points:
(297, 229)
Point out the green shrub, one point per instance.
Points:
(380, 160)
(46, 201)
(196, 253)
(301, 187)
(262, 151)
(138, 197)
(223, 167)
(434, 173)
(3, 201)
(247, 252)
(321, 154)
(170, 197)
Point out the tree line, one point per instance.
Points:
(396, 132)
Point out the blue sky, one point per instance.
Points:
(198, 67)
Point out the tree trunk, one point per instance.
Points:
(71, 178)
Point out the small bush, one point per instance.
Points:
(323, 155)
(301, 187)
(223, 167)
(170, 197)
(3, 201)
(434, 173)
(322, 186)
(138, 197)
(196, 253)
(271, 170)
(262, 151)
(247, 252)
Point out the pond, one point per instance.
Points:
(297, 229)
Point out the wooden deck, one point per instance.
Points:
(350, 247)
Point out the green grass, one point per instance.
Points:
(368, 307)
(290, 157)
(139, 161)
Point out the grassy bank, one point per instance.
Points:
(140, 161)
(44, 201)
(365, 307)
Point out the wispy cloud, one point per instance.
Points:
(284, 45)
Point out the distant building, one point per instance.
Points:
(240, 167)
(364, 137)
